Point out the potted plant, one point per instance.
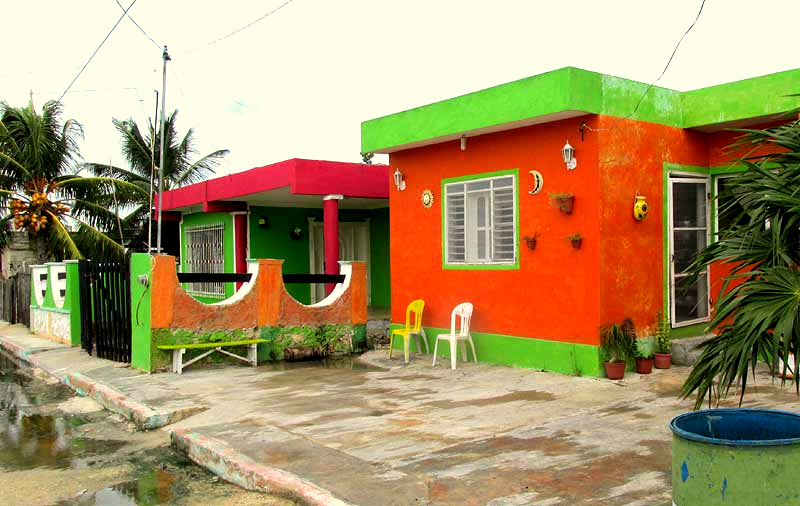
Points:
(644, 359)
(616, 344)
(663, 355)
(576, 240)
(563, 201)
(531, 240)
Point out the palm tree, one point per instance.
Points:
(142, 154)
(758, 317)
(40, 193)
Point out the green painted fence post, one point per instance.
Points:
(141, 336)
(72, 301)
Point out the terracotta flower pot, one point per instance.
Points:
(663, 360)
(644, 365)
(565, 204)
(615, 370)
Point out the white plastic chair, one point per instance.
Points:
(464, 313)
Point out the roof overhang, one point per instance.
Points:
(291, 183)
(571, 92)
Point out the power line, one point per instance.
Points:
(175, 74)
(240, 29)
(668, 62)
(227, 96)
(98, 49)
(137, 25)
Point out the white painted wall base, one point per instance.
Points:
(51, 325)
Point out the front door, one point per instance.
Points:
(689, 199)
(353, 246)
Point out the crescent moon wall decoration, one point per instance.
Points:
(538, 181)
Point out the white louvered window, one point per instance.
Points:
(480, 221)
(205, 253)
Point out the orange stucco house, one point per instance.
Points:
(480, 175)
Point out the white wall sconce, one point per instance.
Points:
(399, 180)
(568, 153)
(463, 143)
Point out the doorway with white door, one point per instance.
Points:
(688, 234)
(353, 246)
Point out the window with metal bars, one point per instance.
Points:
(205, 253)
(480, 221)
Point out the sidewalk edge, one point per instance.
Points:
(219, 458)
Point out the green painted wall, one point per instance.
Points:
(379, 259)
(141, 264)
(554, 356)
(209, 219)
(274, 242)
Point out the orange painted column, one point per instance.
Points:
(330, 218)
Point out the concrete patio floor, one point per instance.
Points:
(396, 434)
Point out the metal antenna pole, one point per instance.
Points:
(161, 163)
(152, 176)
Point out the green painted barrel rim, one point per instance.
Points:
(756, 416)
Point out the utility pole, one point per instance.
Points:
(152, 176)
(161, 163)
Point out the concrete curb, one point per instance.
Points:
(224, 461)
(144, 417)
(21, 352)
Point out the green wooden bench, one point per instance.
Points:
(179, 349)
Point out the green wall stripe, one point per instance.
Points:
(531, 353)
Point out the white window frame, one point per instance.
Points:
(210, 258)
(451, 189)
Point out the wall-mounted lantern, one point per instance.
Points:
(399, 180)
(640, 207)
(568, 154)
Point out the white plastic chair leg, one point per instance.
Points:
(452, 354)
(435, 348)
(463, 351)
(472, 345)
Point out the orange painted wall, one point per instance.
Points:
(631, 160)
(555, 293)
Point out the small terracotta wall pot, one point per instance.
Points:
(644, 365)
(615, 370)
(663, 360)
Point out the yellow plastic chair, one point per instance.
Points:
(416, 330)
(462, 312)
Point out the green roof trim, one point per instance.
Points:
(750, 98)
(571, 92)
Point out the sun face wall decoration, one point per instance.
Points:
(427, 199)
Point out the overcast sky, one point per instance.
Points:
(298, 83)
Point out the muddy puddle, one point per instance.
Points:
(60, 449)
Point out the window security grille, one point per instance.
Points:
(204, 253)
(480, 221)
